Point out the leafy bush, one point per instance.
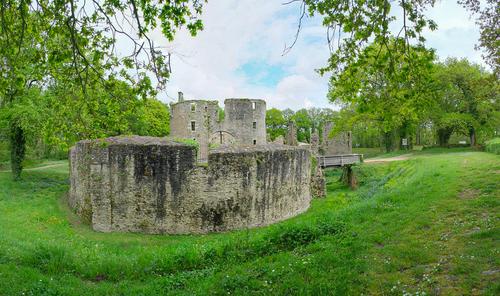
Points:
(493, 146)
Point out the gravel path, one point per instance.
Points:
(38, 168)
(388, 159)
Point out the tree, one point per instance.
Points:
(69, 115)
(396, 100)
(365, 130)
(467, 100)
(46, 42)
(153, 119)
(488, 18)
(320, 116)
(304, 125)
(288, 114)
(353, 25)
(275, 123)
(316, 116)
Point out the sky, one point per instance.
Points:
(239, 54)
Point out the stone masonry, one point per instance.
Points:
(196, 120)
(243, 124)
(153, 185)
(339, 144)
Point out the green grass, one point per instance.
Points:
(429, 224)
(493, 146)
(380, 152)
(368, 152)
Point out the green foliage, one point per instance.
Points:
(275, 123)
(4, 153)
(221, 114)
(346, 243)
(19, 124)
(396, 101)
(352, 25)
(319, 117)
(152, 119)
(487, 15)
(493, 146)
(287, 114)
(303, 123)
(306, 120)
(365, 130)
(71, 116)
(59, 67)
(467, 101)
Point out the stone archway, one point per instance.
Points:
(221, 137)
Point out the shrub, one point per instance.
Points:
(493, 146)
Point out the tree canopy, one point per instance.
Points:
(466, 100)
(67, 50)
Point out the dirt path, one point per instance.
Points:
(388, 159)
(38, 168)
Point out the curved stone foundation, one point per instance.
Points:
(153, 185)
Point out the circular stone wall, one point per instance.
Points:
(153, 185)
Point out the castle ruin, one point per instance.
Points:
(233, 180)
(244, 123)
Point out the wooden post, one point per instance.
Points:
(348, 177)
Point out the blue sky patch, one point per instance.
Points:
(261, 73)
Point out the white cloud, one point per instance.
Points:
(457, 32)
(238, 32)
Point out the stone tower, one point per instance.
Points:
(244, 123)
(194, 119)
(245, 120)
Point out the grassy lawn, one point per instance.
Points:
(368, 152)
(380, 152)
(425, 225)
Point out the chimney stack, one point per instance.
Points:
(181, 96)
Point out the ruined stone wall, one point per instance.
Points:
(244, 123)
(152, 185)
(204, 114)
(339, 144)
(246, 120)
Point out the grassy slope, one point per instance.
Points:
(430, 224)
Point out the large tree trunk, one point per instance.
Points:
(17, 150)
(444, 136)
(389, 141)
(472, 135)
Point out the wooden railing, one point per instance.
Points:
(339, 160)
